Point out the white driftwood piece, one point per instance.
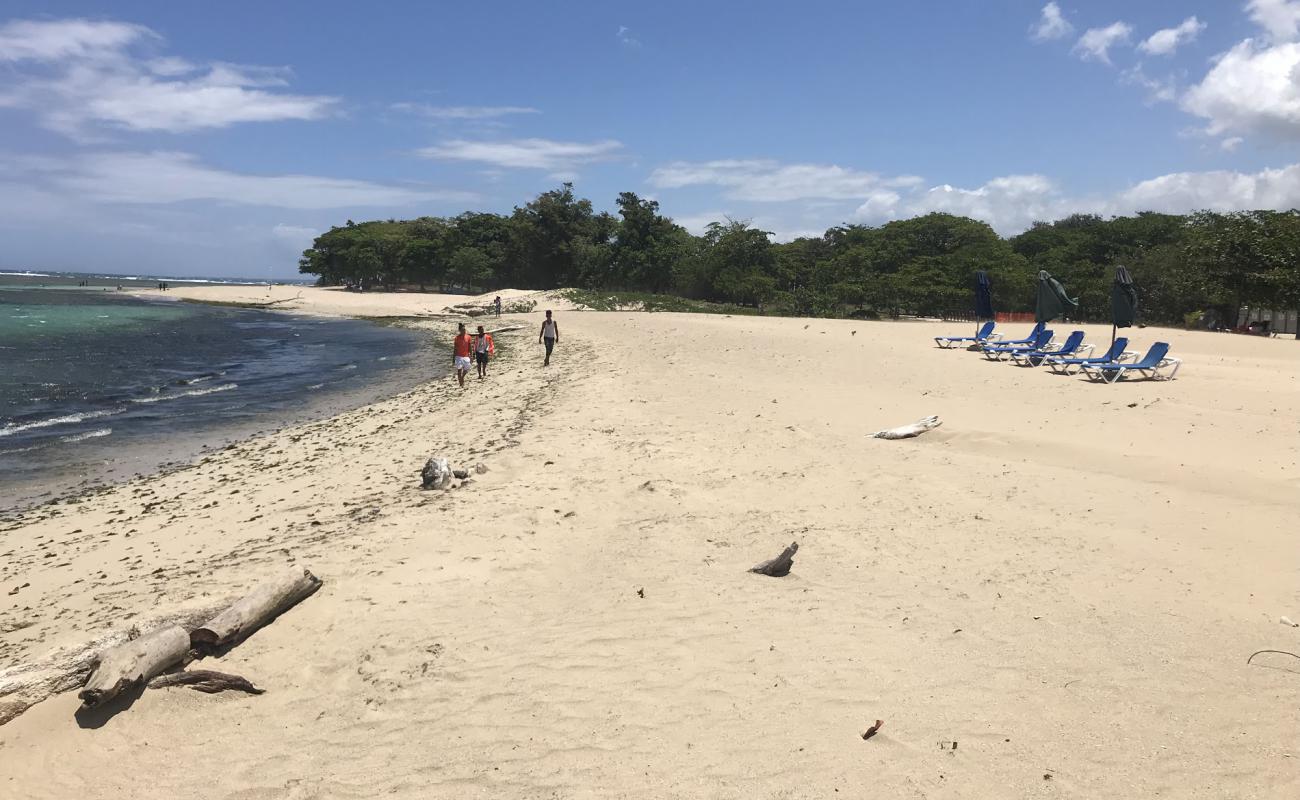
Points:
(908, 431)
(24, 685)
(436, 473)
(134, 663)
(254, 610)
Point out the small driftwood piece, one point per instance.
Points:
(254, 610)
(206, 681)
(134, 663)
(908, 431)
(778, 567)
(436, 473)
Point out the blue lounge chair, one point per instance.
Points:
(1151, 366)
(1038, 328)
(1073, 346)
(999, 352)
(985, 334)
(1065, 366)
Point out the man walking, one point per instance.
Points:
(483, 350)
(550, 335)
(497, 303)
(460, 354)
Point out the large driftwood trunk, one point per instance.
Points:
(65, 669)
(134, 663)
(254, 610)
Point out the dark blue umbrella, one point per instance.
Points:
(983, 298)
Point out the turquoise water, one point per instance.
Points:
(97, 384)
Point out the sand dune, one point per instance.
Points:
(1065, 580)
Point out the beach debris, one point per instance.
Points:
(254, 610)
(1279, 652)
(641, 592)
(460, 474)
(436, 473)
(908, 431)
(480, 468)
(133, 663)
(948, 745)
(1287, 621)
(780, 566)
(873, 730)
(206, 681)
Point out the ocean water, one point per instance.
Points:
(96, 385)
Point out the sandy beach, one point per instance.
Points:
(1052, 595)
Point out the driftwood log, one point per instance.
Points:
(134, 663)
(436, 473)
(780, 566)
(254, 610)
(908, 431)
(66, 668)
(205, 680)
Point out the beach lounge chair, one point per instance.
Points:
(1150, 366)
(999, 352)
(1064, 365)
(985, 334)
(1029, 340)
(1073, 346)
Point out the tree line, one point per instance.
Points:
(1182, 264)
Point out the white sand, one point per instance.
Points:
(1065, 579)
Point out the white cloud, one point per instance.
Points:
(1218, 191)
(1163, 90)
(771, 181)
(297, 236)
(462, 112)
(76, 75)
(1051, 25)
(1231, 144)
(697, 223)
(1250, 88)
(166, 177)
(1166, 41)
(1280, 19)
(558, 157)
(626, 38)
(1095, 43)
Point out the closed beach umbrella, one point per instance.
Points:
(1052, 299)
(1123, 299)
(983, 296)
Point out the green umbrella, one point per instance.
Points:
(1123, 299)
(1052, 299)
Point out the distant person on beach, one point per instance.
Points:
(483, 350)
(497, 303)
(462, 347)
(550, 335)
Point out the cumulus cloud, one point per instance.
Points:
(1165, 42)
(169, 177)
(76, 75)
(1163, 90)
(1095, 43)
(462, 112)
(1280, 19)
(1250, 88)
(1051, 24)
(560, 157)
(626, 38)
(771, 181)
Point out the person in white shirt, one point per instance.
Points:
(550, 335)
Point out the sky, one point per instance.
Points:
(219, 139)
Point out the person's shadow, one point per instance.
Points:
(99, 716)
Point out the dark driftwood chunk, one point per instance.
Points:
(205, 680)
(778, 567)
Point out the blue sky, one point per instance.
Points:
(217, 139)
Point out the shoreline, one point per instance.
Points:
(184, 448)
(579, 620)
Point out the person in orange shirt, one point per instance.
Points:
(483, 350)
(461, 349)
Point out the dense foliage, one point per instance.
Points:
(924, 265)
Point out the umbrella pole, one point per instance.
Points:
(1112, 334)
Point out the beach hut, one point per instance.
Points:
(1052, 299)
